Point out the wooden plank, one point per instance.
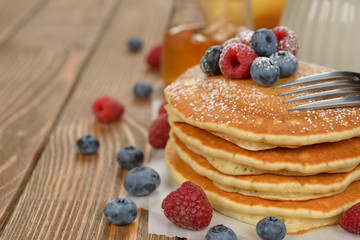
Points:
(66, 194)
(39, 71)
(15, 13)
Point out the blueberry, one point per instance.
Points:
(141, 181)
(120, 211)
(220, 232)
(286, 61)
(209, 63)
(264, 71)
(142, 89)
(130, 157)
(264, 42)
(88, 144)
(271, 228)
(134, 44)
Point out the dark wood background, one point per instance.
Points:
(56, 57)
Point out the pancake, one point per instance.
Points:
(298, 216)
(319, 158)
(253, 146)
(269, 186)
(244, 110)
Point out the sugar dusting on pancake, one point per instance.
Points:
(242, 107)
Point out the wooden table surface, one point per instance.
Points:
(56, 57)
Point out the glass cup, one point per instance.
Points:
(327, 30)
(194, 26)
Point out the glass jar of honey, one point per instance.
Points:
(194, 26)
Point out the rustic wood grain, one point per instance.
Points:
(65, 193)
(15, 13)
(37, 76)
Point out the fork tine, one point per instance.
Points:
(320, 77)
(325, 94)
(323, 86)
(350, 101)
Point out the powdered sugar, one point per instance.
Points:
(243, 104)
(287, 39)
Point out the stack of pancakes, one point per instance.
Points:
(254, 158)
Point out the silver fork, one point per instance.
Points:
(337, 89)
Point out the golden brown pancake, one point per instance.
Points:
(298, 216)
(269, 186)
(243, 109)
(313, 159)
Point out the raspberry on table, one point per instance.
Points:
(350, 220)
(235, 60)
(286, 61)
(271, 228)
(88, 144)
(130, 157)
(142, 90)
(162, 109)
(220, 232)
(141, 181)
(121, 211)
(107, 109)
(153, 58)
(264, 71)
(188, 207)
(209, 63)
(264, 42)
(287, 40)
(158, 132)
(134, 44)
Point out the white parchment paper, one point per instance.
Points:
(158, 223)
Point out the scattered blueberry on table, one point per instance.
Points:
(142, 90)
(88, 144)
(121, 211)
(141, 181)
(271, 228)
(134, 44)
(220, 232)
(130, 157)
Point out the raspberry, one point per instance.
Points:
(153, 59)
(159, 131)
(162, 109)
(232, 41)
(235, 60)
(287, 39)
(350, 220)
(188, 207)
(245, 36)
(107, 109)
